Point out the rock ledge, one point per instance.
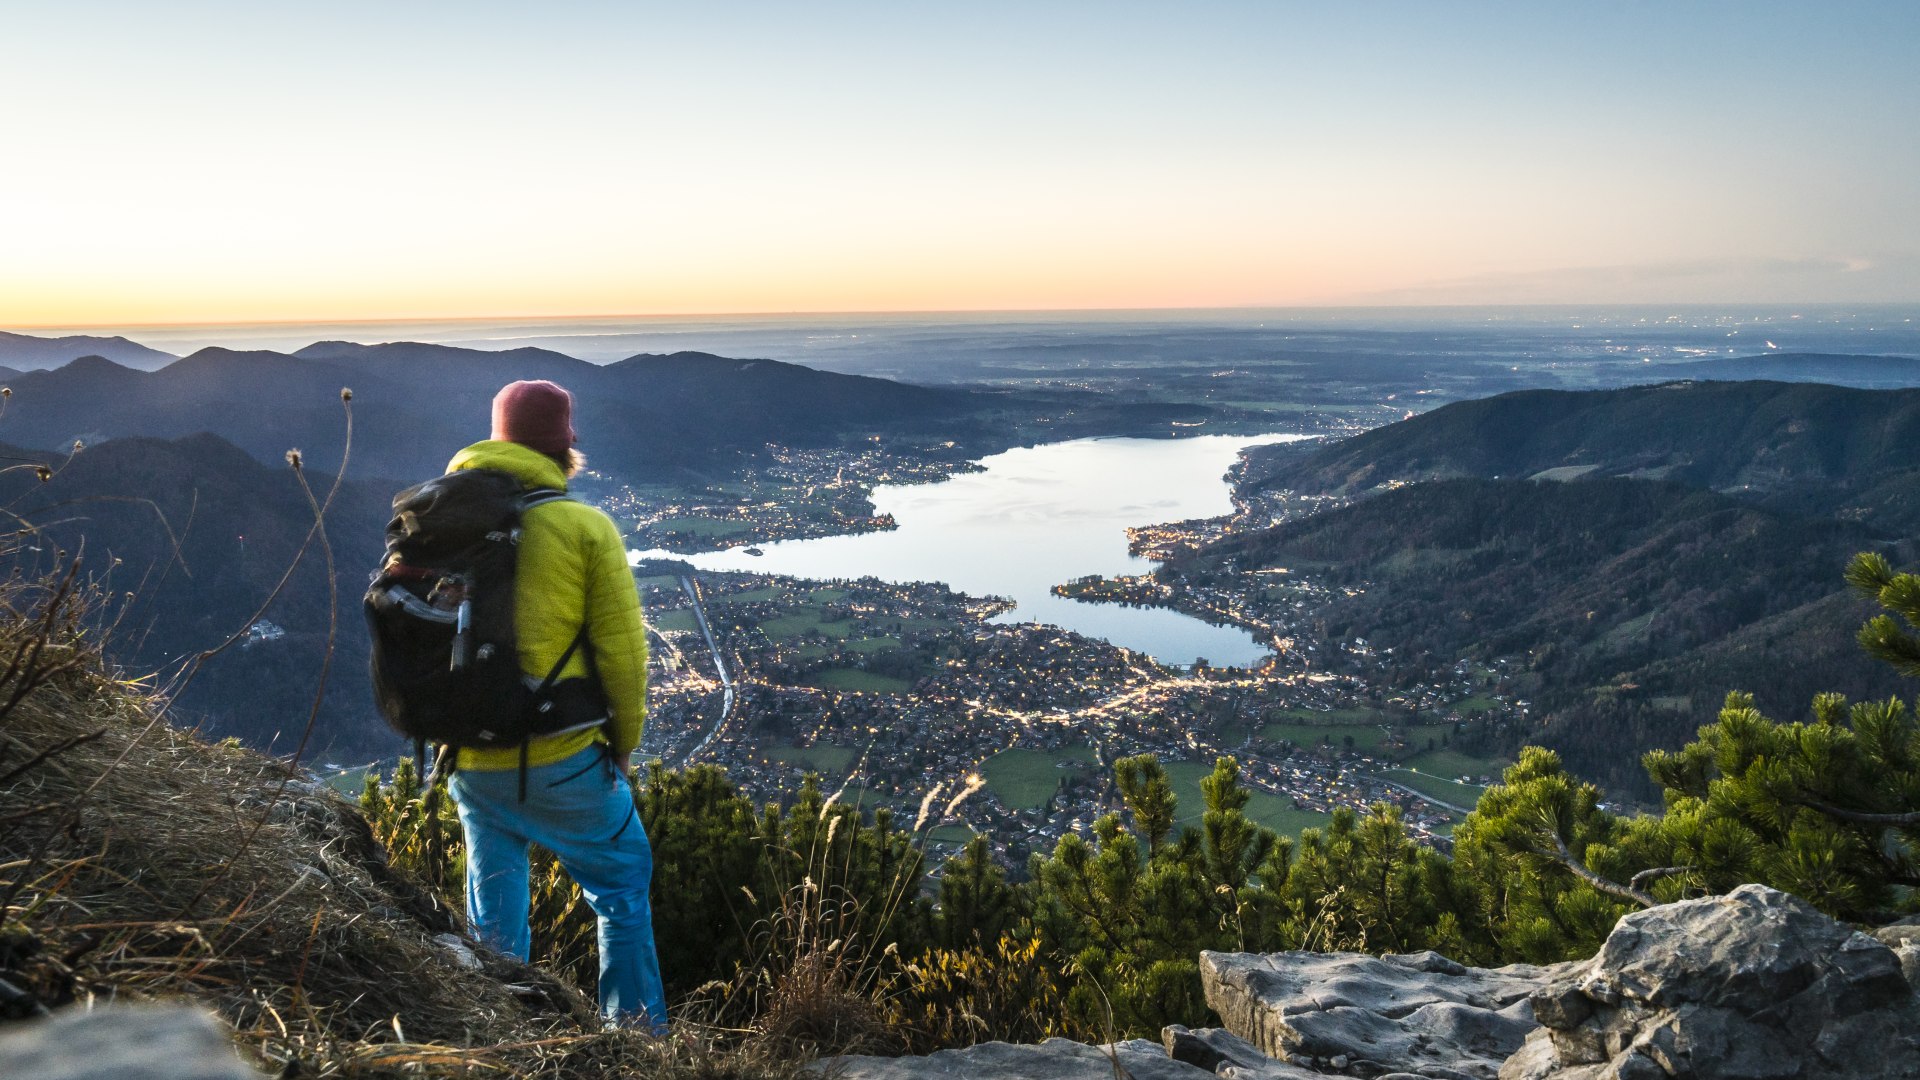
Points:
(1754, 985)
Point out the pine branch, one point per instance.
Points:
(1641, 879)
(1564, 856)
(1861, 817)
(1883, 640)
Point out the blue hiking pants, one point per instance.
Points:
(581, 809)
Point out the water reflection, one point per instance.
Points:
(1036, 517)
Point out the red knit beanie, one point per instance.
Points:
(536, 414)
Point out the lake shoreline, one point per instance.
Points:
(1031, 519)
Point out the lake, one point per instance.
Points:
(1035, 518)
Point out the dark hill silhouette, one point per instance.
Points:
(264, 402)
(93, 367)
(26, 352)
(125, 505)
(1811, 446)
(749, 403)
(415, 404)
(1637, 605)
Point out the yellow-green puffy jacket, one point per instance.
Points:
(572, 570)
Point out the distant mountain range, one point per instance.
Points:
(25, 352)
(1839, 369)
(415, 404)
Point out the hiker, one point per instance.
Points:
(553, 773)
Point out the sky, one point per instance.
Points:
(232, 161)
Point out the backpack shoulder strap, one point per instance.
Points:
(536, 496)
(553, 676)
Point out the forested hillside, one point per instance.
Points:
(1817, 449)
(186, 539)
(1634, 606)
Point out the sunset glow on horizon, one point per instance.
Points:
(237, 162)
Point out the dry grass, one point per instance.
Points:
(814, 986)
(137, 862)
(1001, 990)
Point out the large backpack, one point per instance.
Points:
(446, 668)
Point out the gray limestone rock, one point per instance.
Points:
(1383, 1014)
(1209, 1048)
(1442, 1072)
(1226, 1054)
(1534, 1060)
(1753, 985)
(1269, 1069)
(161, 1042)
(459, 950)
(1892, 934)
(1055, 1059)
(1903, 938)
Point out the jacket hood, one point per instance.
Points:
(533, 468)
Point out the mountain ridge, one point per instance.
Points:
(415, 404)
(1801, 442)
(27, 352)
(1858, 370)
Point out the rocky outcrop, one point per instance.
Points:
(173, 1042)
(1370, 1016)
(1225, 1054)
(1903, 938)
(1210, 1048)
(1055, 1059)
(1753, 985)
